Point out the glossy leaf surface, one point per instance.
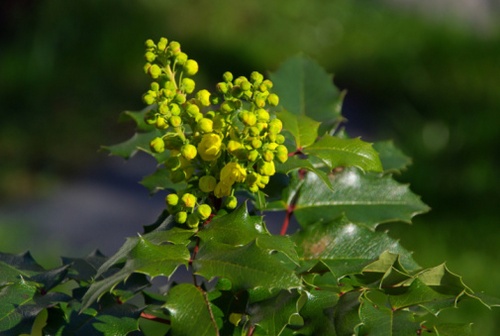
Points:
(367, 199)
(190, 311)
(339, 152)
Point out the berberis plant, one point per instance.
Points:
(210, 265)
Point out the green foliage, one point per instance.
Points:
(335, 275)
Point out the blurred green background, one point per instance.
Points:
(426, 74)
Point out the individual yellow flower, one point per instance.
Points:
(210, 146)
(232, 172)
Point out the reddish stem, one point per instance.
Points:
(286, 221)
(154, 318)
(250, 330)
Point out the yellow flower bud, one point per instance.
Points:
(188, 85)
(271, 146)
(267, 84)
(256, 143)
(273, 99)
(282, 153)
(256, 78)
(188, 151)
(154, 71)
(262, 115)
(161, 123)
(149, 43)
(181, 217)
(205, 125)
(268, 155)
(180, 98)
(227, 76)
(267, 168)
(275, 126)
(174, 109)
(149, 99)
(189, 200)
(207, 183)
(222, 87)
(149, 56)
(231, 202)
(190, 67)
(157, 145)
(226, 107)
(175, 47)
(203, 96)
(175, 121)
(245, 85)
(210, 146)
(162, 44)
(181, 58)
(280, 139)
(248, 118)
(192, 109)
(172, 199)
(204, 211)
(253, 156)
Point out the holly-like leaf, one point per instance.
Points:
(303, 129)
(306, 89)
(246, 267)
(419, 294)
(51, 278)
(239, 228)
(143, 257)
(295, 163)
(273, 315)
(12, 266)
(317, 312)
(340, 152)
(12, 299)
(368, 199)
(379, 320)
(138, 118)
(9, 273)
(84, 269)
(128, 148)
(393, 160)
(191, 312)
(111, 319)
(160, 180)
(236, 228)
(110, 325)
(346, 248)
(454, 329)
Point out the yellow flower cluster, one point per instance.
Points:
(217, 142)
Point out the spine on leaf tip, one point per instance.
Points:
(219, 141)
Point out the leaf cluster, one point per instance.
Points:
(335, 275)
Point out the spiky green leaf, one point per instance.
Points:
(191, 312)
(368, 199)
(340, 152)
